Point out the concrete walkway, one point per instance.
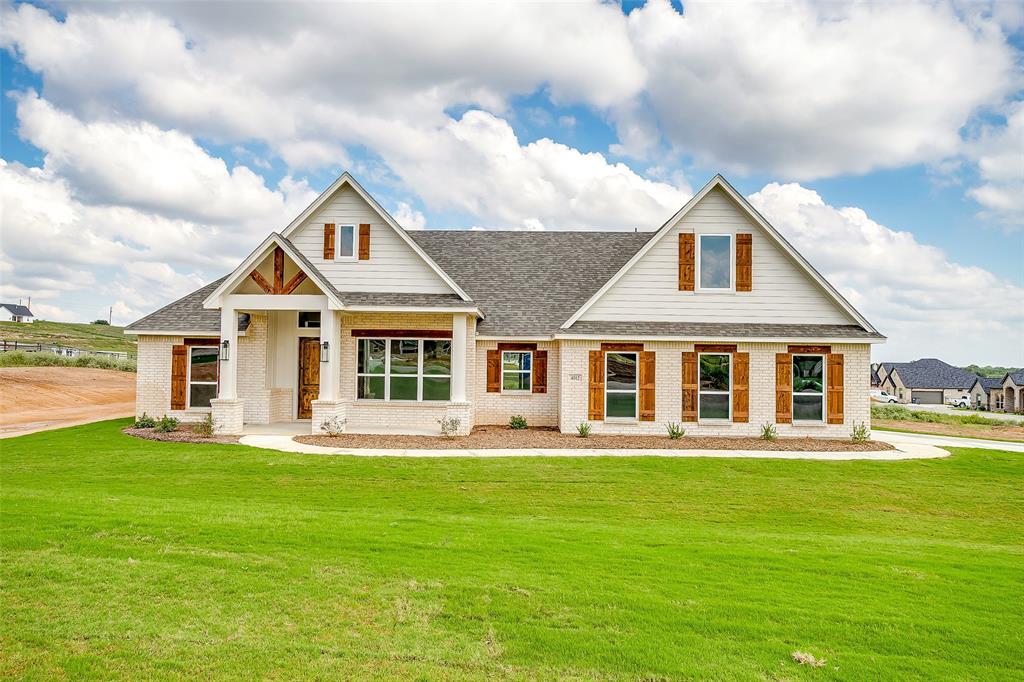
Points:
(899, 439)
(905, 449)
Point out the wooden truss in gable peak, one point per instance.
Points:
(279, 286)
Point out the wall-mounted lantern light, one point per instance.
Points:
(224, 351)
(324, 352)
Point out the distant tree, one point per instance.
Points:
(100, 322)
(989, 371)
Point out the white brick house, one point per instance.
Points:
(713, 320)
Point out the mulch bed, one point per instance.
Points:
(506, 438)
(185, 434)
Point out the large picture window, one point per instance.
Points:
(809, 388)
(202, 375)
(714, 261)
(620, 385)
(404, 369)
(714, 397)
(516, 371)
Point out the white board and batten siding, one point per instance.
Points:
(393, 265)
(782, 291)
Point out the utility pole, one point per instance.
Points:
(110, 316)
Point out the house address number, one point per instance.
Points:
(575, 377)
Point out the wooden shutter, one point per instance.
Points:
(686, 261)
(540, 371)
(744, 262)
(783, 388)
(494, 371)
(689, 387)
(834, 388)
(647, 384)
(329, 241)
(595, 402)
(179, 376)
(364, 242)
(741, 387)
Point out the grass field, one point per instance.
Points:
(138, 559)
(968, 425)
(71, 334)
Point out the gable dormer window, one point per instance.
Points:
(715, 262)
(346, 242)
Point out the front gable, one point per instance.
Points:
(785, 288)
(393, 262)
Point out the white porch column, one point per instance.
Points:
(229, 368)
(458, 358)
(330, 370)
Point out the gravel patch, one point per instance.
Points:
(502, 437)
(185, 434)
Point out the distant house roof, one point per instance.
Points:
(933, 373)
(988, 383)
(1017, 377)
(18, 310)
(875, 379)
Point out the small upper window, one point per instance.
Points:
(346, 241)
(309, 320)
(714, 261)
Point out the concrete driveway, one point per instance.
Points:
(946, 409)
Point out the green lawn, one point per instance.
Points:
(135, 559)
(70, 334)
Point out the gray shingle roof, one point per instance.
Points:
(723, 330)
(187, 315)
(18, 310)
(1018, 377)
(529, 283)
(988, 383)
(388, 299)
(933, 373)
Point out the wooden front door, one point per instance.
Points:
(309, 375)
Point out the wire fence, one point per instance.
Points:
(64, 351)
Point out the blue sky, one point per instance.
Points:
(159, 143)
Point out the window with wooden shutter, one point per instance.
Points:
(540, 371)
(741, 387)
(834, 388)
(595, 394)
(329, 241)
(687, 269)
(494, 371)
(744, 262)
(179, 376)
(783, 388)
(689, 387)
(647, 384)
(364, 242)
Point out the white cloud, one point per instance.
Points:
(926, 303)
(999, 151)
(808, 89)
(409, 218)
(477, 165)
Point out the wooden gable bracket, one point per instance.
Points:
(279, 286)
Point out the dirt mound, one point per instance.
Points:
(40, 398)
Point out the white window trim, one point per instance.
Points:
(824, 391)
(419, 376)
(635, 391)
(527, 372)
(337, 243)
(700, 391)
(298, 314)
(732, 262)
(188, 381)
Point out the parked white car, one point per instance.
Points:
(960, 401)
(880, 396)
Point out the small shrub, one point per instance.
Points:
(769, 432)
(145, 422)
(333, 426)
(449, 426)
(18, 358)
(166, 424)
(206, 426)
(861, 433)
(517, 421)
(675, 430)
(583, 430)
(100, 322)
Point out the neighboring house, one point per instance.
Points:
(713, 320)
(874, 379)
(928, 381)
(15, 312)
(987, 393)
(1013, 391)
